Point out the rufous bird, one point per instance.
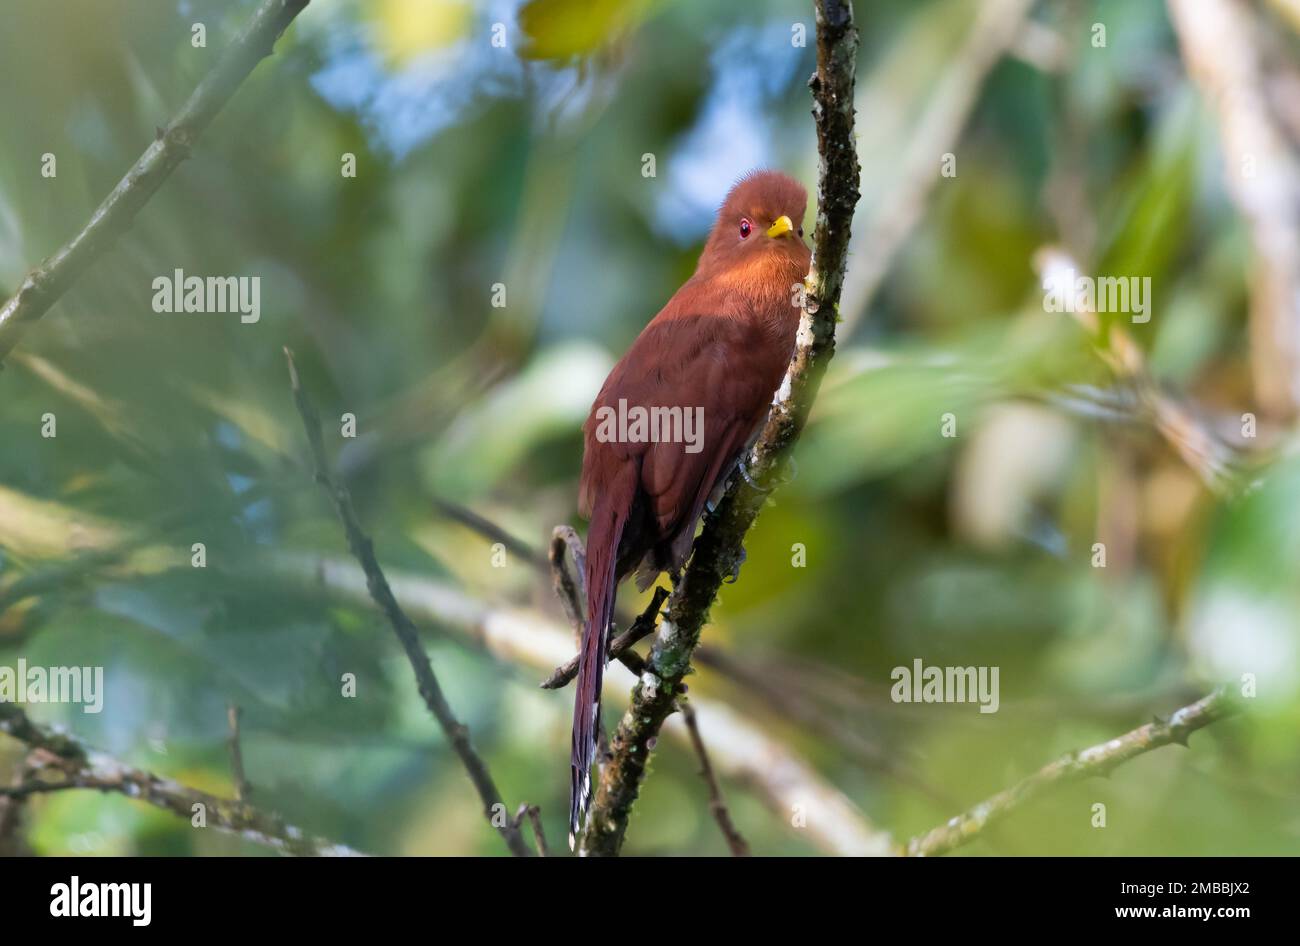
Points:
(717, 351)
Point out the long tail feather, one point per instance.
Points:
(608, 518)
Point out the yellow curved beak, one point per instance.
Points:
(782, 225)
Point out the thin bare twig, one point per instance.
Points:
(45, 284)
(74, 766)
(363, 550)
(489, 529)
(620, 648)
(570, 592)
(1095, 760)
(717, 804)
(534, 816)
(242, 789)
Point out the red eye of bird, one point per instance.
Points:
(745, 227)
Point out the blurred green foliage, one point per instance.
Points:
(522, 165)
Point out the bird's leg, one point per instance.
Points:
(720, 487)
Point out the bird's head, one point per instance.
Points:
(761, 220)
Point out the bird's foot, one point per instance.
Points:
(790, 471)
(743, 466)
(735, 568)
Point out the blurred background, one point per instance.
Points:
(523, 167)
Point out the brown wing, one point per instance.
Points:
(697, 353)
